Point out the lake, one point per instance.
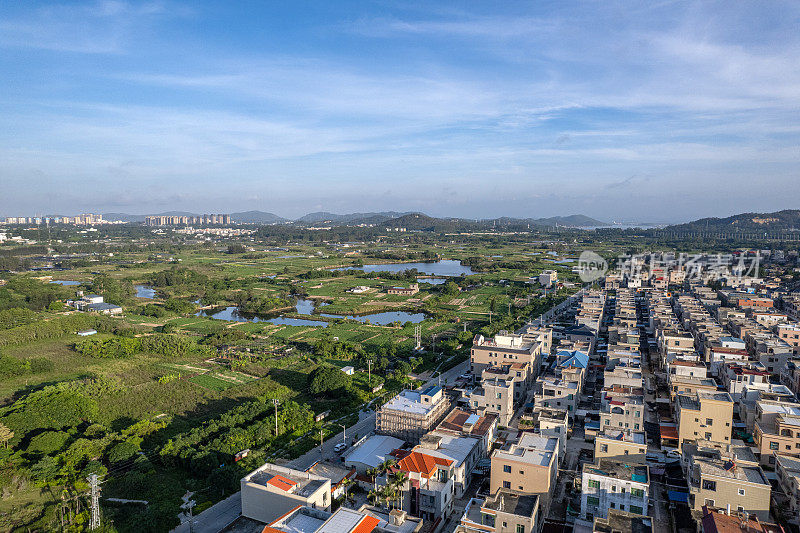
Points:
(445, 267)
(382, 319)
(65, 282)
(232, 313)
(145, 291)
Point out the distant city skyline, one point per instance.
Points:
(649, 112)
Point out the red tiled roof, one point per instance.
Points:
(422, 463)
(366, 525)
(281, 482)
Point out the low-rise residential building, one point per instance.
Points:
(494, 396)
(505, 348)
(548, 422)
(428, 490)
(504, 512)
(612, 485)
(555, 392)
(787, 469)
(618, 445)
(460, 422)
(790, 334)
(736, 377)
(706, 416)
(681, 385)
(463, 453)
(777, 429)
(718, 520)
(723, 482)
(625, 374)
(529, 466)
(271, 490)
(622, 412)
(411, 414)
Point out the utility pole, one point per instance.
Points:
(276, 402)
(369, 372)
(188, 505)
(344, 433)
(94, 520)
(321, 442)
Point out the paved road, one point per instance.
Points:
(219, 515)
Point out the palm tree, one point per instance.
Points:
(346, 484)
(374, 496)
(398, 479)
(373, 473)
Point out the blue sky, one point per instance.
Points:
(651, 111)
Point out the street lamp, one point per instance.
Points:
(344, 433)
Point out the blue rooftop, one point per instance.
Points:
(575, 358)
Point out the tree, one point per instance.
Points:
(5, 435)
(328, 379)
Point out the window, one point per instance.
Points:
(637, 493)
(506, 484)
(613, 505)
(774, 446)
(635, 509)
(613, 488)
(621, 507)
(709, 421)
(520, 528)
(507, 468)
(709, 485)
(741, 492)
(604, 447)
(593, 484)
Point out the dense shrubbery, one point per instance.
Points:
(55, 328)
(328, 380)
(121, 347)
(250, 425)
(18, 316)
(178, 276)
(11, 366)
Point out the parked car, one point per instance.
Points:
(340, 447)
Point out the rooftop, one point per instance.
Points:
(618, 470)
(623, 522)
(411, 402)
(634, 437)
(464, 422)
(373, 451)
(729, 469)
(280, 478)
(512, 503)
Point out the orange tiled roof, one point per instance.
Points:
(281, 482)
(422, 463)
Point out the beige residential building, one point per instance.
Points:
(627, 447)
(505, 348)
(504, 512)
(682, 385)
(493, 397)
(411, 414)
(623, 522)
(777, 429)
(622, 412)
(272, 490)
(788, 471)
(723, 482)
(558, 393)
(706, 416)
(460, 422)
(526, 469)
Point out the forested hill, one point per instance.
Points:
(786, 220)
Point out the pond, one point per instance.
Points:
(445, 267)
(432, 281)
(66, 282)
(385, 318)
(145, 291)
(232, 313)
(306, 307)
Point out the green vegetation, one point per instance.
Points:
(160, 400)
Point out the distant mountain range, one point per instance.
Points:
(394, 219)
(786, 220)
